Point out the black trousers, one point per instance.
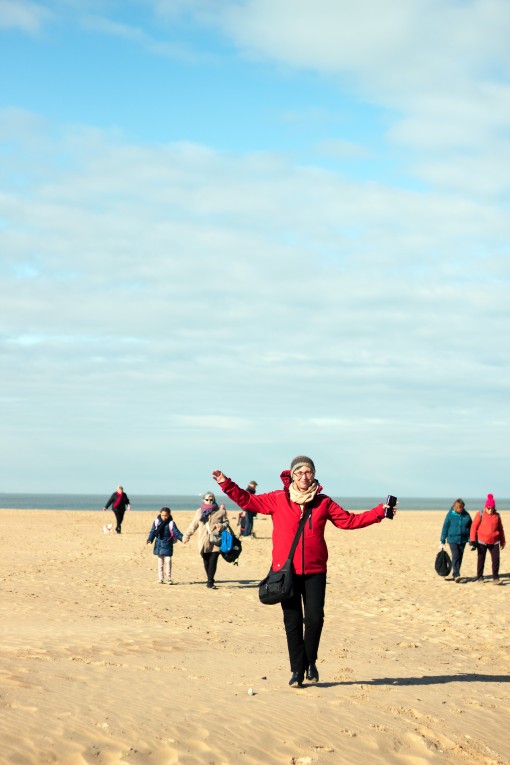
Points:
(248, 524)
(210, 563)
(480, 563)
(303, 617)
(119, 517)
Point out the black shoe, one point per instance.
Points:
(296, 681)
(312, 674)
(211, 586)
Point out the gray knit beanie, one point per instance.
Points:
(301, 461)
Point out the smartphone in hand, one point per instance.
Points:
(391, 502)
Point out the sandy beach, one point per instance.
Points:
(101, 664)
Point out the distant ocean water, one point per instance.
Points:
(191, 502)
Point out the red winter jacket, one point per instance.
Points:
(311, 553)
(488, 529)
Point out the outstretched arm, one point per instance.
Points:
(343, 519)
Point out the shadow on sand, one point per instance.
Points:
(468, 677)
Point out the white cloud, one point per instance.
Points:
(159, 47)
(340, 149)
(23, 15)
(213, 260)
(441, 68)
(401, 47)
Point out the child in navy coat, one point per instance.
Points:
(164, 532)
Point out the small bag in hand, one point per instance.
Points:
(214, 536)
(277, 586)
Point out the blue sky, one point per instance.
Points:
(233, 231)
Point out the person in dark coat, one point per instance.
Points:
(163, 533)
(119, 502)
(455, 531)
(247, 526)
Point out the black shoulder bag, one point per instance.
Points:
(278, 585)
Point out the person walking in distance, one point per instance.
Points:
(247, 529)
(119, 502)
(455, 531)
(210, 519)
(487, 534)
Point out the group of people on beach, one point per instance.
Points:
(210, 519)
(302, 495)
(485, 535)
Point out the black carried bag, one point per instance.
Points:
(443, 563)
(277, 586)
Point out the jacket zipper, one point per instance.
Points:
(303, 510)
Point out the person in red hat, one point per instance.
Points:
(303, 612)
(487, 534)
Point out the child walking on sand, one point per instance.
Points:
(487, 534)
(164, 531)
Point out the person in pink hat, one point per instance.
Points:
(487, 534)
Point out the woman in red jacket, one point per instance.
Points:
(487, 534)
(286, 507)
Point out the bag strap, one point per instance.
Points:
(301, 526)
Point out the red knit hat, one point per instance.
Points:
(490, 502)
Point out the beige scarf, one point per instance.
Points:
(303, 497)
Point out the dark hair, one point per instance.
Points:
(459, 502)
(166, 510)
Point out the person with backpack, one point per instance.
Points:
(303, 612)
(455, 531)
(487, 534)
(210, 520)
(163, 533)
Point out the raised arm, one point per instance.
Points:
(257, 503)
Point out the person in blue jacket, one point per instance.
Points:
(456, 527)
(163, 533)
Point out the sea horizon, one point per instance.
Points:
(187, 502)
